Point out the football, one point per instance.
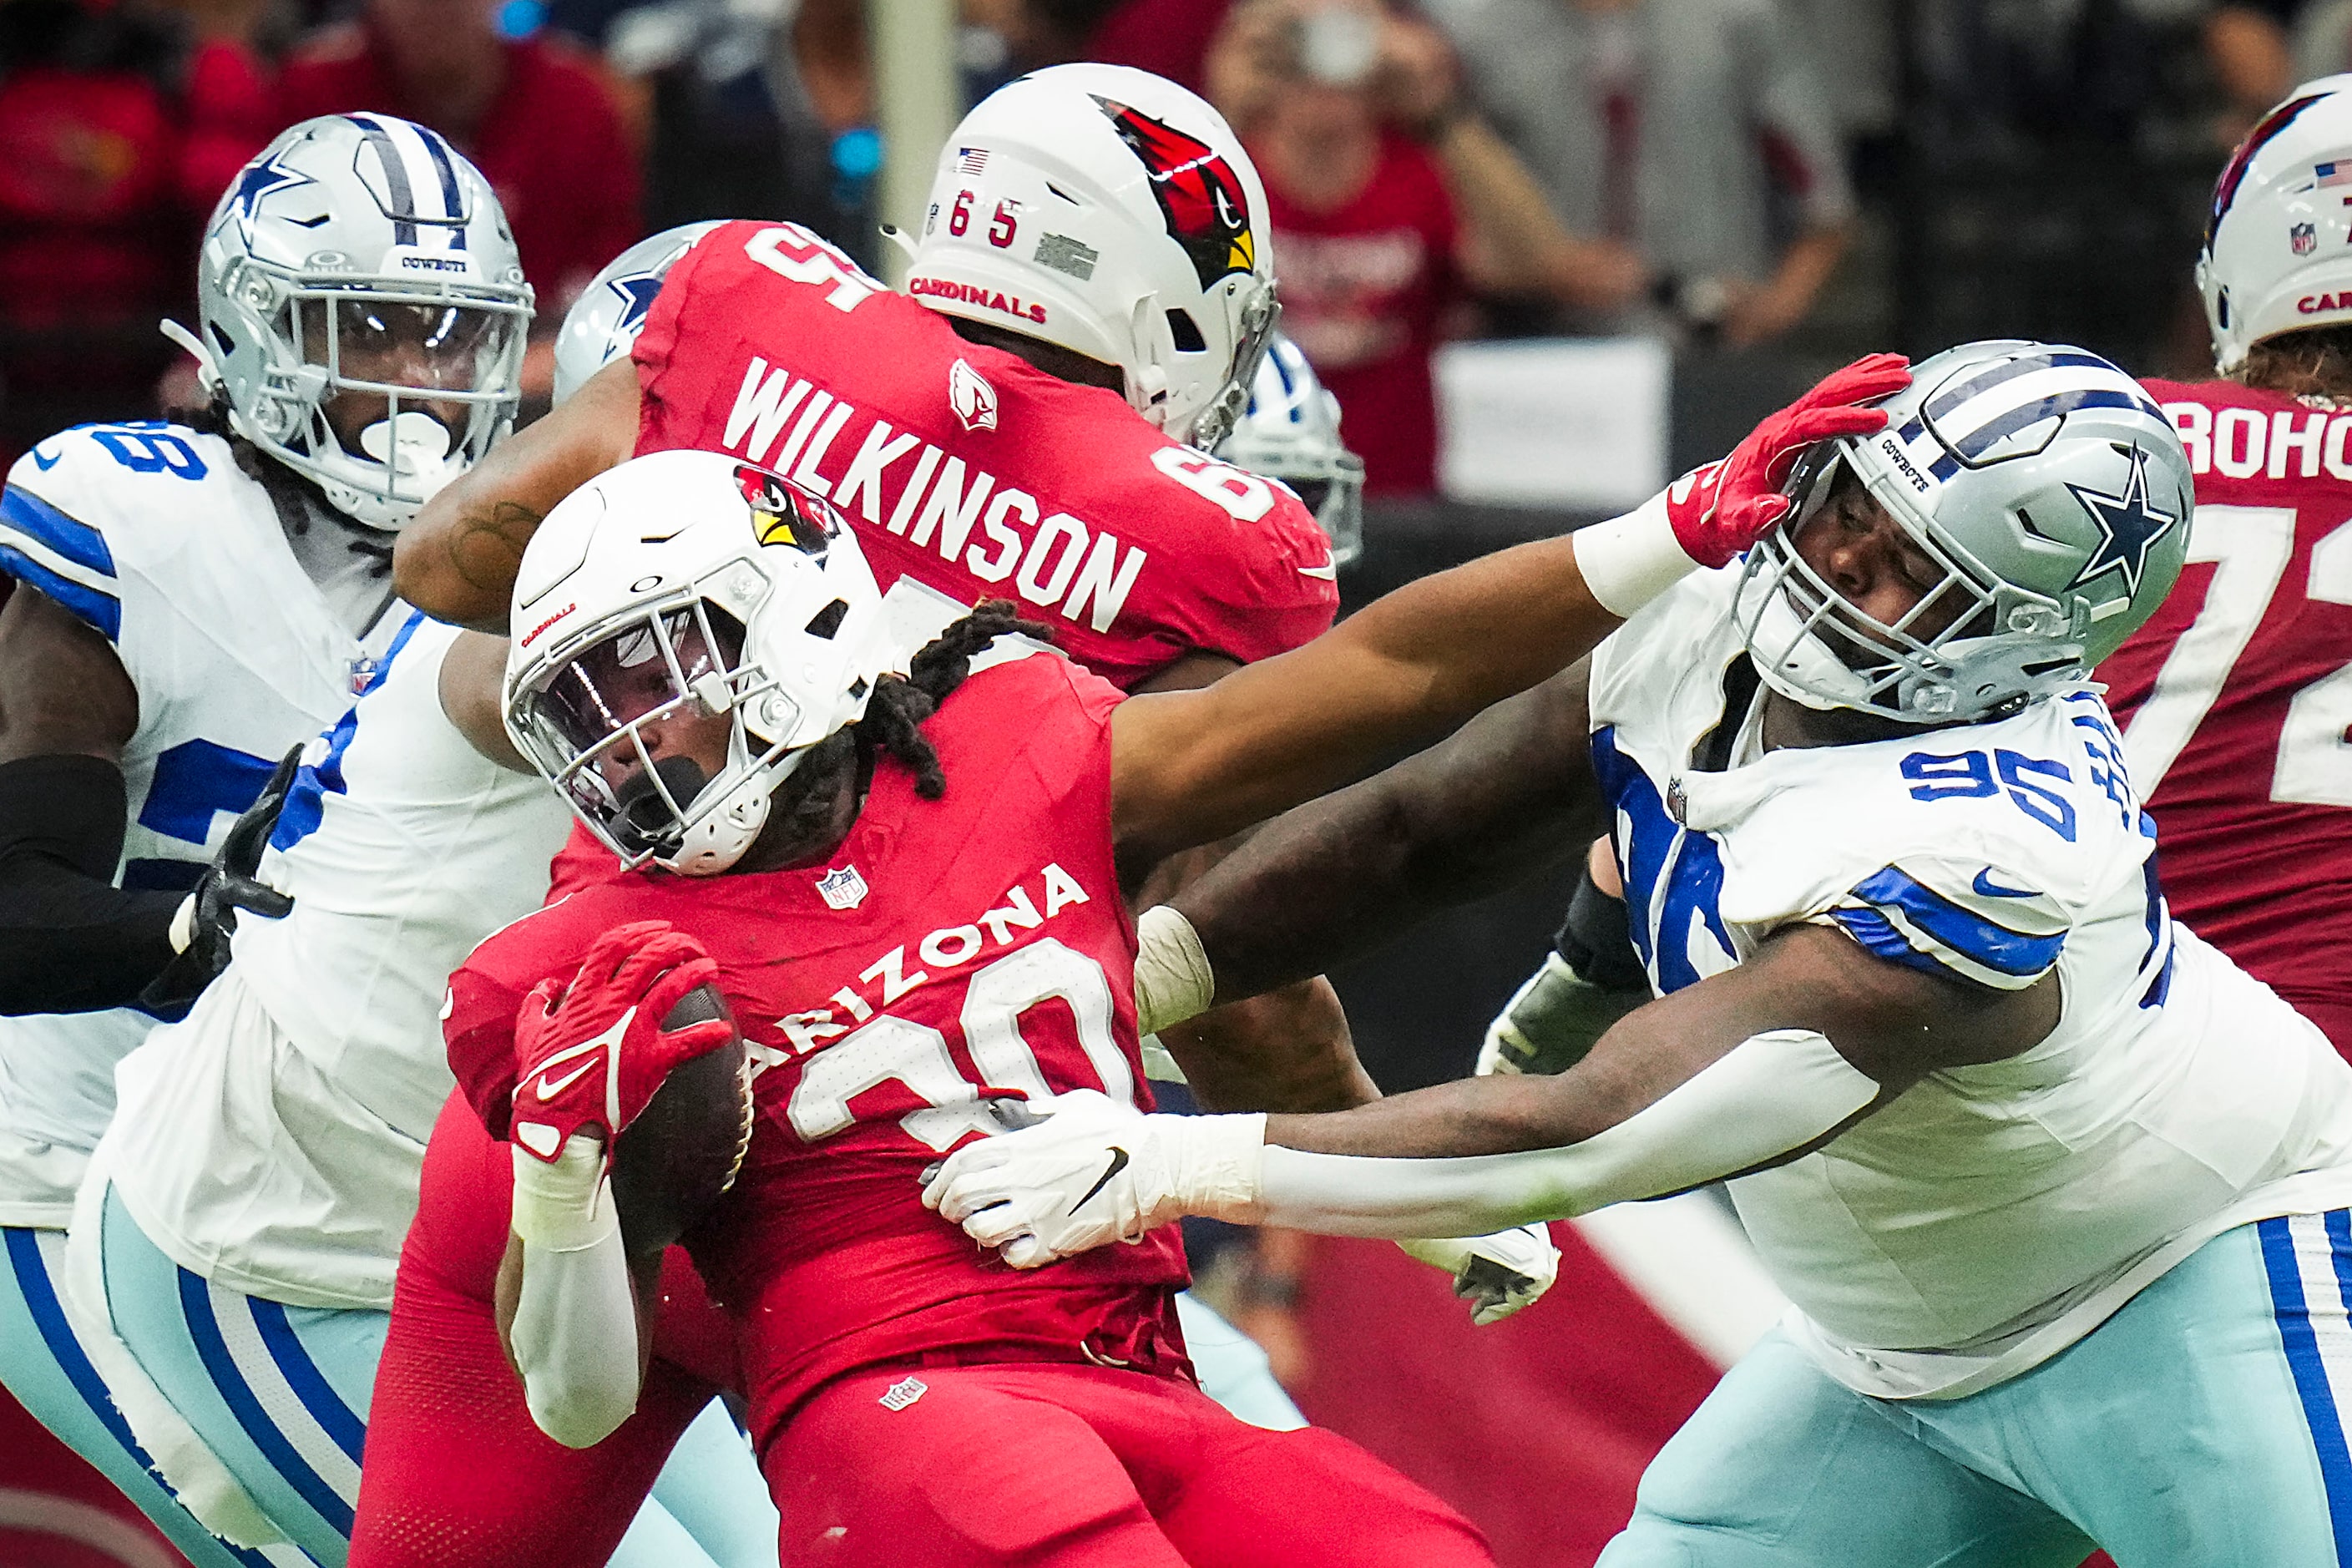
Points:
(680, 1154)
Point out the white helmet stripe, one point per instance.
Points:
(395, 178)
(1971, 418)
(416, 160)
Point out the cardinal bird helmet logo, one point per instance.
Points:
(1199, 193)
(780, 515)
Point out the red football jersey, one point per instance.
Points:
(977, 941)
(2236, 696)
(970, 472)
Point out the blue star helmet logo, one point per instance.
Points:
(262, 179)
(2128, 527)
(637, 291)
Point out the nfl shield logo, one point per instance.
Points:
(2304, 238)
(842, 888)
(903, 1393)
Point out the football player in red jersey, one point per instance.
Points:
(2236, 695)
(922, 917)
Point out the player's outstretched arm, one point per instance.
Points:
(1187, 767)
(1743, 1071)
(458, 560)
(1507, 795)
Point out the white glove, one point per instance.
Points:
(1497, 1274)
(1095, 1171)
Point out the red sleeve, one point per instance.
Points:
(486, 991)
(657, 344)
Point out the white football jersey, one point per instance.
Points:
(272, 1139)
(150, 533)
(1992, 1215)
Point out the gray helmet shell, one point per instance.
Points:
(359, 210)
(604, 322)
(2049, 488)
(1291, 432)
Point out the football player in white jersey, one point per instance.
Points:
(189, 601)
(263, 1163)
(2060, 1194)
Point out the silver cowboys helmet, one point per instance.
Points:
(2052, 499)
(688, 585)
(361, 256)
(604, 322)
(1291, 432)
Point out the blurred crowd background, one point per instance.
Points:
(1761, 185)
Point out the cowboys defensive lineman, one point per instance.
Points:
(190, 600)
(2060, 1194)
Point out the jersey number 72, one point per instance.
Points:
(2250, 547)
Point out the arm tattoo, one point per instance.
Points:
(485, 549)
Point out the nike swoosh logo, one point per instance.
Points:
(45, 464)
(1985, 887)
(1328, 571)
(1117, 1164)
(611, 1037)
(549, 1089)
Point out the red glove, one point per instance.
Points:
(589, 1056)
(1721, 510)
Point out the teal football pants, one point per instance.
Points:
(2201, 1426)
(281, 1395)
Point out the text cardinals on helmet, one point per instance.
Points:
(1115, 213)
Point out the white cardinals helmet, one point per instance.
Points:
(1114, 212)
(2278, 244)
(687, 582)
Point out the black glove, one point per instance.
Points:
(228, 886)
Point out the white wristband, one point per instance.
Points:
(1631, 560)
(1172, 979)
(566, 1206)
(1215, 1165)
(182, 929)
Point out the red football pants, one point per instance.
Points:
(458, 1474)
(1045, 1466)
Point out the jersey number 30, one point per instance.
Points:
(900, 1050)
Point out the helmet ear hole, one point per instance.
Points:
(827, 621)
(1186, 332)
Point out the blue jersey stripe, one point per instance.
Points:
(74, 540)
(1877, 934)
(2292, 1312)
(197, 1308)
(102, 611)
(345, 1430)
(1995, 947)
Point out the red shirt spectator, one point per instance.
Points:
(1167, 37)
(549, 140)
(1363, 285)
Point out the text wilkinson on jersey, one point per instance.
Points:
(1065, 567)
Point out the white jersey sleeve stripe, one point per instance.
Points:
(1894, 906)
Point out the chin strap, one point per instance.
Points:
(208, 372)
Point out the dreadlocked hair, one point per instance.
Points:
(895, 713)
(211, 417)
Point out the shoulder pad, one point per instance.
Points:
(83, 506)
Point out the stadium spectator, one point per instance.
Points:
(1670, 126)
(1388, 201)
(111, 152)
(534, 115)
